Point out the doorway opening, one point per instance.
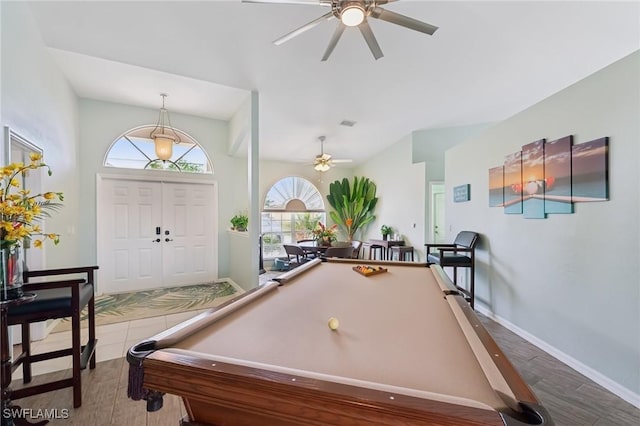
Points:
(437, 231)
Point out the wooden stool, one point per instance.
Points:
(403, 252)
(373, 248)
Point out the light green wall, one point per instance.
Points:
(102, 122)
(571, 281)
(38, 104)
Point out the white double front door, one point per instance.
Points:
(155, 234)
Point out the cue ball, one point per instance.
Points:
(333, 323)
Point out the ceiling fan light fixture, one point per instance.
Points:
(322, 167)
(352, 15)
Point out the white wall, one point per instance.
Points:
(401, 194)
(239, 247)
(38, 104)
(571, 281)
(429, 146)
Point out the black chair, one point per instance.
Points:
(357, 245)
(56, 299)
(296, 255)
(345, 252)
(374, 249)
(309, 243)
(459, 254)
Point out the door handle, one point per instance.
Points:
(157, 240)
(168, 239)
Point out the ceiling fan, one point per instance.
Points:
(324, 162)
(352, 13)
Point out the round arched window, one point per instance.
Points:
(136, 150)
(292, 207)
(293, 194)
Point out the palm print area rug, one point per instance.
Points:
(122, 307)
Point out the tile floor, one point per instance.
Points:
(114, 340)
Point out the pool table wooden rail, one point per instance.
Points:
(250, 396)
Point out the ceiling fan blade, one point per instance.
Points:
(342, 161)
(303, 28)
(334, 40)
(405, 21)
(311, 2)
(367, 33)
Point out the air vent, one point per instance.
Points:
(347, 123)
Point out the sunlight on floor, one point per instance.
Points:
(114, 340)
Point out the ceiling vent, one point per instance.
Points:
(347, 123)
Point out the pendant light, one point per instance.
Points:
(163, 135)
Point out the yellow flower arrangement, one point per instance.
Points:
(19, 210)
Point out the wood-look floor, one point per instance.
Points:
(571, 398)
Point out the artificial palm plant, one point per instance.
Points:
(352, 204)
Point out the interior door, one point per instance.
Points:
(155, 234)
(187, 234)
(438, 231)
(130, 248)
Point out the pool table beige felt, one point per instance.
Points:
(408, 350)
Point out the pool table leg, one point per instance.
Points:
(186, 422)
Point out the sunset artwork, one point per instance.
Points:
(557, 166)
(590, 177)
(533, 180)
(496, 186)
(548, 177)
(513, 183)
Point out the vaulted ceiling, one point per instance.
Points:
(486, 62)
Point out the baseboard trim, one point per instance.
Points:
(604, 381)
(232, 282)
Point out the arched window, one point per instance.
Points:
(292, 207)
(135, 150)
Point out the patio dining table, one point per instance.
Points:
(313, 250)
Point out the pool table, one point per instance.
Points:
(408, 350)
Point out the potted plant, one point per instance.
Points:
(385, 231)
(239, 222)
(324, 235)
(353, 204)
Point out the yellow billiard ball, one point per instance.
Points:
(333, 323)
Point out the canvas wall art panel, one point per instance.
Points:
(513, 183)
(533, 180)
(496, 186)
(589, 162)
(461, 193)
(557, 176)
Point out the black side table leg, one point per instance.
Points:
(10, 415)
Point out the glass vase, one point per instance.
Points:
(11, 269)
(324, 241)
